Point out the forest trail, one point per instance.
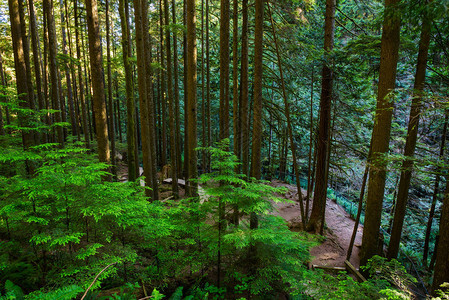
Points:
(339, 226)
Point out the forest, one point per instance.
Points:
(224, 149)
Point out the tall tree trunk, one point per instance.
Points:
(289, 123)
(208, 121)
(36, 58)
(235, 84)
(203, 100)
(20, 68)
(150, 103)
(410, 144)
(171, 107)
(243, 105)
(73, 73)
(163, 87)
(111, 129)
(130, 107)
(53, 70)
(80, 80)
(26, 53)
(186, 96)
(67, 73)
(191, 105)
(258, 100)
(48, 116)
(441, 271)
(224, 69)
(309, 172)
(4, 99)
(381, 130)
(176, 90)
(319, 197)
(436, 191)
(141, 31)
(96, 66)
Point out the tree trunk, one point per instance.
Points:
(289, 123)
(381, 130)
(67, 73)
(53, 68)
(26, 53)
(441, 271)
(224, 69)
(309, 172)
(80, 80)
(143, 100)
(235, 84)
(176, 90)
(208, 121)
(36, 58)
(410, 144)
(20, 68)
(323, 147)
(436, 191)
(111, 129)
(243, 105)
(4, 99)
(130, 108)
(191, 105)
(150, 103)
(171, 107)
(258, 100)
(96, 66)
(163, 87)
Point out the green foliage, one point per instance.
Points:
(392, 271)
(324, 286)
(263, 261)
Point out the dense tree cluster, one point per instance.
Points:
(151, 87)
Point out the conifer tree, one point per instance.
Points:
(381, 131)
(96, 66)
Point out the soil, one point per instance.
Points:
(338, 230)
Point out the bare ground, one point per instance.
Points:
(338, 230)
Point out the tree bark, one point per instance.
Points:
(224, 69)
(171, 107)
(150, 102)
(235, 84)
(53, 68)
(80, 80)
(130, 107)
(258, 100)
(441, 271)
(36, 59)
(96, 66)
(20, 69)
(381, 130)
(309, 172)
(410, 144)
(289, 123)
(111, 128)
(208, 121)
(243, 100)
(323, 147)
(191, 105)
(176, 90)
(67, 73)
(436, 191)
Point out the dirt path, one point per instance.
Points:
(339, 226)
